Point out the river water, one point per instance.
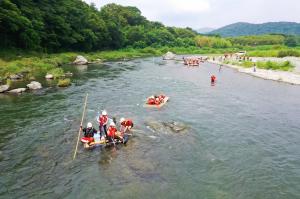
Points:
(243, 137)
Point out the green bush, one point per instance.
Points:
(56, 72)
(286, 53)
(285, 66)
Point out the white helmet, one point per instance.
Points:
(89, 125)
(122, 119)
(104, 112)
(112, 124)
(152, 96)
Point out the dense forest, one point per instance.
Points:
(73, 25)
(244, 29)
(55, 25)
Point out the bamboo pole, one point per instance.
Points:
(83, 113)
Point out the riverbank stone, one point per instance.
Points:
(3, 88)
(169, 56)
(49, 76)
(18, 90)
(34, 85)
(16, 76)
(80, 60)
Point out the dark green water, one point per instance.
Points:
(243, 139)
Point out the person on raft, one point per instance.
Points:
(103, 120)
(89, 132)
(126, 124)
(113, 133)
(155, 100)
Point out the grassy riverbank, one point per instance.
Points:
(38, 64)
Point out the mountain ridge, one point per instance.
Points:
(245, 29)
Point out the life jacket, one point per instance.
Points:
(127, 122)
(103, 120)
(213, 78)
(162, 96)
(157, 101)
(112, 131)
(151, 101)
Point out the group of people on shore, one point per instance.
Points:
(108, 131)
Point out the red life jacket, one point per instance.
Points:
(157, 101)
(112, 131)
(213, 78)
(103, 120)
(151, 101)
(127, 122)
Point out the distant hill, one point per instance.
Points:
(242, 29)
(205, 30)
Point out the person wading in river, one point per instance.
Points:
(103, 119)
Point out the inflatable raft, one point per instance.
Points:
(90, 143)
(156, 106)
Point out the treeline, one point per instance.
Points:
(73, 25)
(55, 25)
(214, 41)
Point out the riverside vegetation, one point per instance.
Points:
(37, 40)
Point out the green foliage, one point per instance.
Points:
(56, 72)
(290, 41)
(212, 42)
(286, 53)
(285, 66)
(258, 40)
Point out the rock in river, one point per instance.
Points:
(4, 88)
(80, 60)
(169, 56)
(18, 90)
(34, 85)
(167, 127)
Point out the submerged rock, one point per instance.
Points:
(80, 60)
(176, 127)
(68, 74)
(4, 88)
(168, 127)
(18, 90)
(169, 56)
(34, 85)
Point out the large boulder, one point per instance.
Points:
(4, 88)
(169, 56)
(80, 60)
(34, 85)
(49, 76)
(18, 90)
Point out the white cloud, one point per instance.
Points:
(211, 13)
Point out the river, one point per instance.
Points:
(243, 137)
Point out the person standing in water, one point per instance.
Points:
(103, 120)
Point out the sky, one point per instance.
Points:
(212, 13)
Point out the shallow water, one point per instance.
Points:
(242, 140)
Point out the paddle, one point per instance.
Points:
(83, 113)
